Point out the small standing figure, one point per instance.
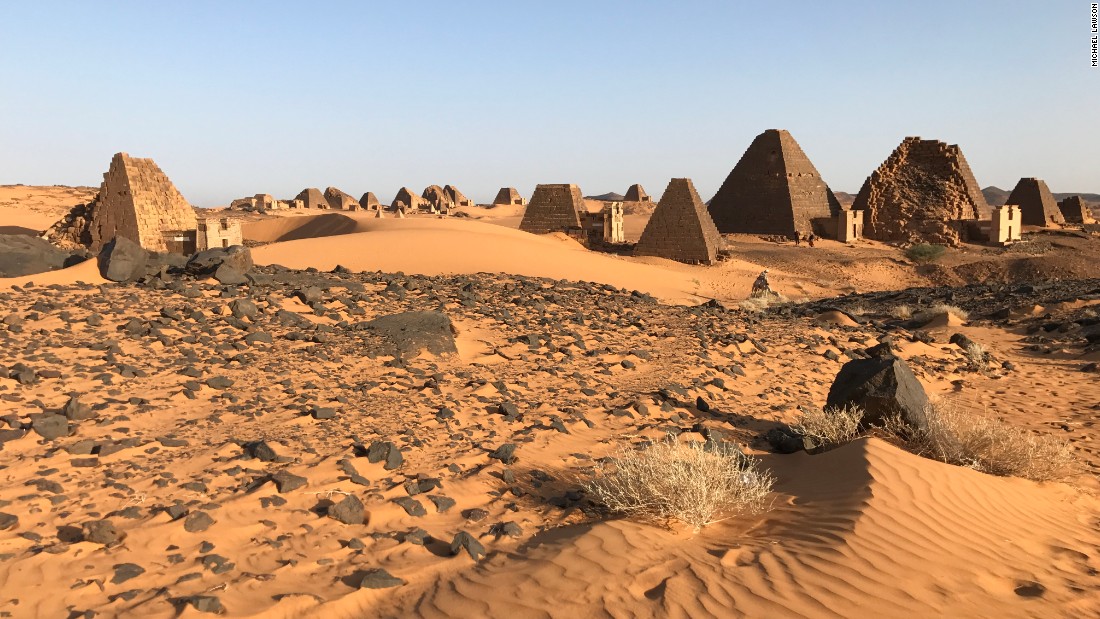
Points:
(810, 239)
(797, 239)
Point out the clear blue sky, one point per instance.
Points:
(238, 98)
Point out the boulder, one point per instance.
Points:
(123, 260)
(237, 257)
(882, 385)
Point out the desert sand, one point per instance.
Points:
(220, 425)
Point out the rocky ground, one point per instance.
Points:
(179, 445)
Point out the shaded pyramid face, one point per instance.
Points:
(636, 194)
(1037, 204)
(680, 228)
(312, 197)
(773, 189)
(508, 195)
(553, 208)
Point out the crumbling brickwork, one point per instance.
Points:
(773, 189)
(508, 195)
(436, 198)
(554, 208)
(456, 197)
(1075, 210)
(920, 194)
(1037, 204)
(312, 197)
(681, 228)
(340, 201)
(135, 201)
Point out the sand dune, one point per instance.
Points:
(431, 246)
(87, 272)
(865, 530)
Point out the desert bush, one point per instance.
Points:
(690, 482)
(923, 253)
(978, 355)
(902, 312)
(940, 309)
(831, 426)
(986, 444)
(759, 304)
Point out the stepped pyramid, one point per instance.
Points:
(919, 194)
(1037, 205)
(312, 197)
(136, 201)
(773, 189)
(636, 194)
(508, 195)
(553, 208)
(1075, 211)
(369, 202)
(680, 228)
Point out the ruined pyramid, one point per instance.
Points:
(636, 194)
(553, 208)
(136, 201)
(456, 197)
(412, 201)
(773, 189)
(1037, 205)
(339, 200)
(680, 228)
(920, 194)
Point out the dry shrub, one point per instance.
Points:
(690, 482)
(978, 355)
(831, 426)
(902, 312)
(923, 253)
(759, 304)
(939, 310)
(985, 444)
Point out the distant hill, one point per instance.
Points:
(607, 197)
(995, 196)
(845, 198)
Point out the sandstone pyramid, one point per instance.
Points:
(413, 202)
(1075, 211)
(553, 208)
(773, 189)
(340, 201)
(456, 197)
(680, 228)
(636, 194)
(136, 201)
(312, 197)
(508, 195)
(369, 202)
(920, 194)
(1037, 205)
